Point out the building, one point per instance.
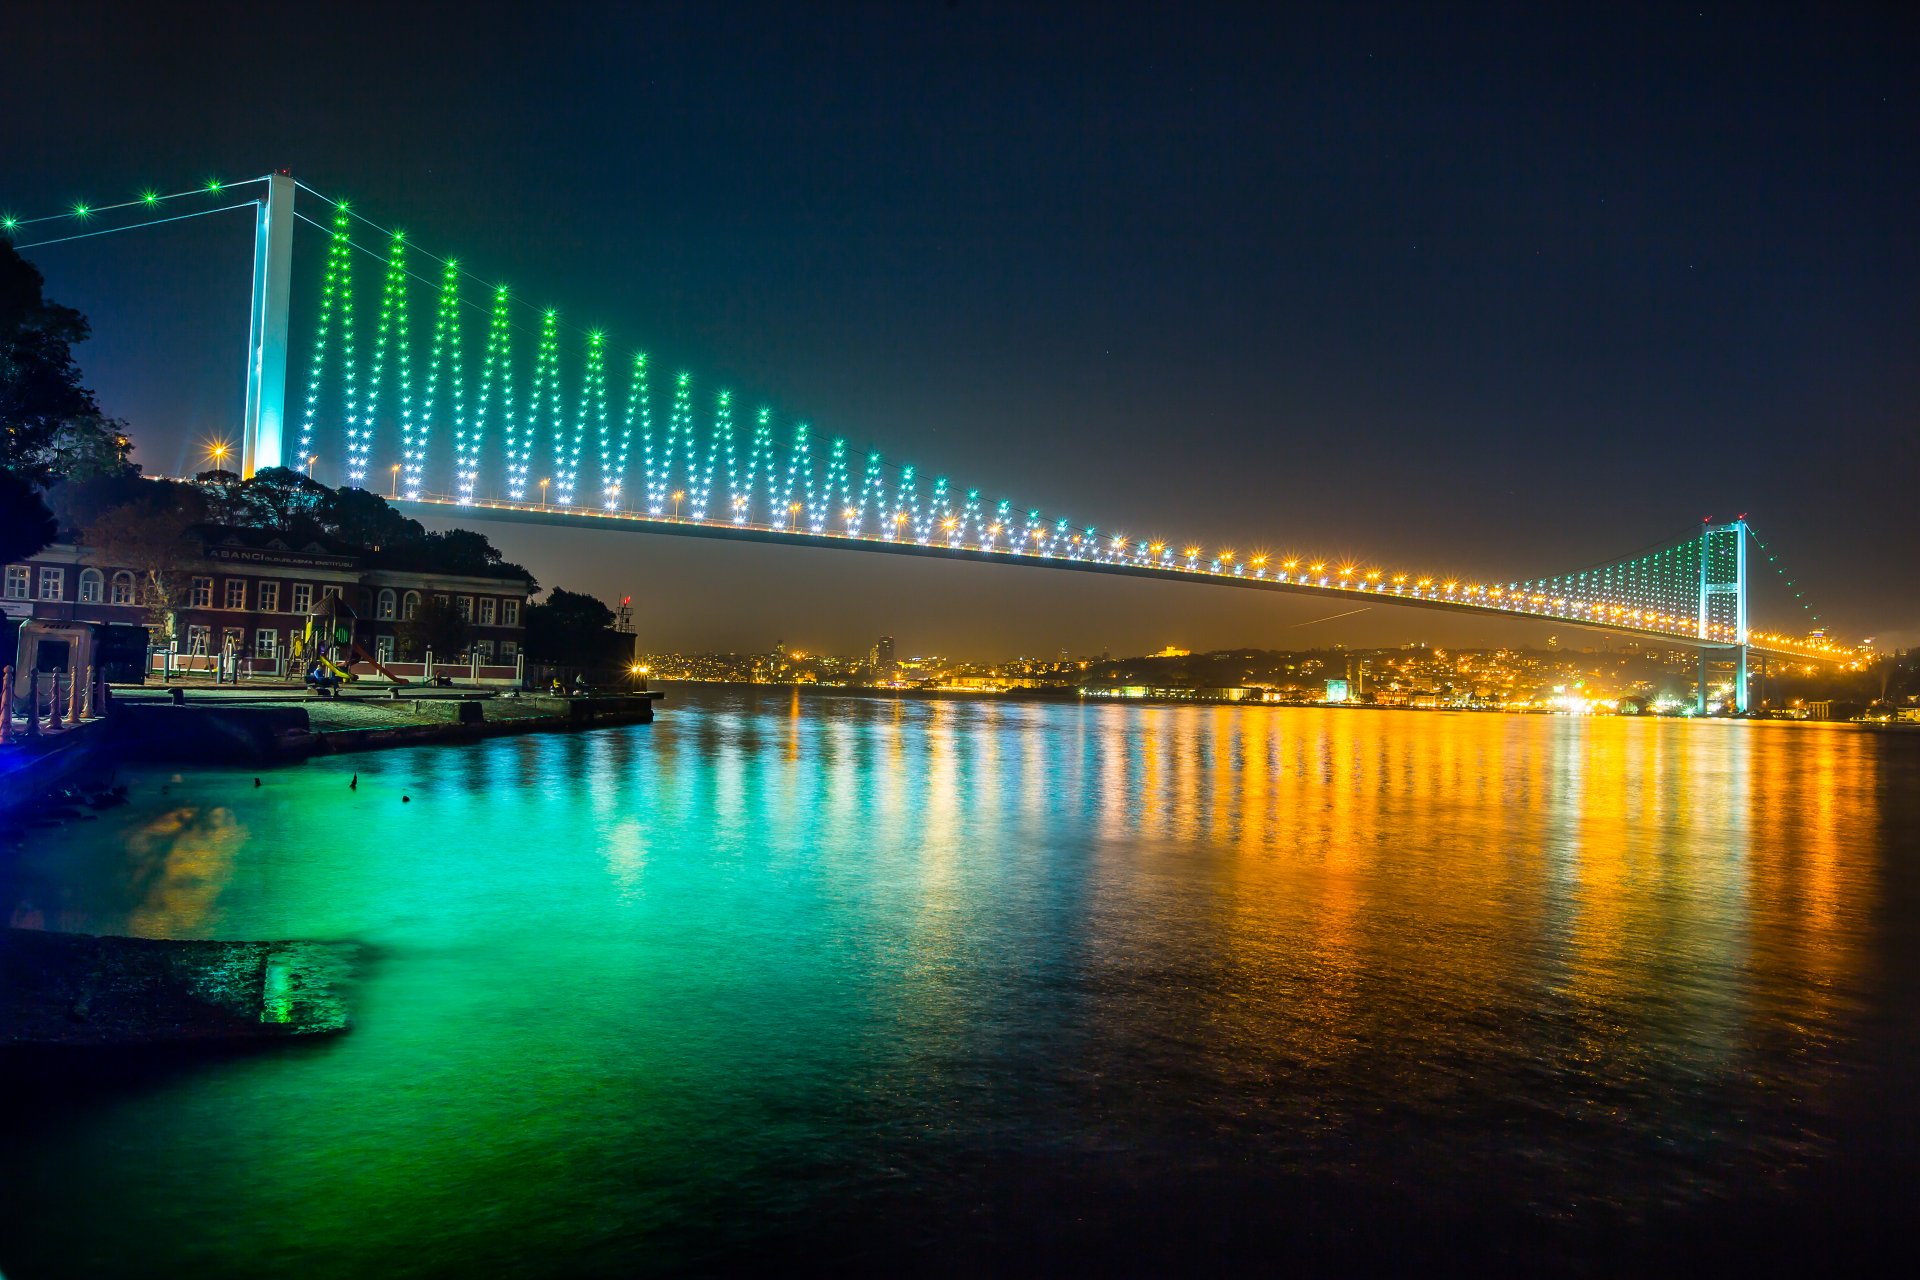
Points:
(250, 592)
(883, 659)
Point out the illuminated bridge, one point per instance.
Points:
(422, 379)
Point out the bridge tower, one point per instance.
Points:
(263, 430)
(1723, 578)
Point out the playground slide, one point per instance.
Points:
(328, 664)
(361, 655)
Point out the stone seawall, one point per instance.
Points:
(233, 731)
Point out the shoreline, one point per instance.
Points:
(1073, 696)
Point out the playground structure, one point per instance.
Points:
(328, 651)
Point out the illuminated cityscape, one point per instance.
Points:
(1627, 679)
(958, 640)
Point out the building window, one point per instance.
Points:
(269, 597)
(509, 613)
(93, 585)
(463, 605)
(330, 592)
(385, 609)
(202, 594)
(303, 597)
(383, 648)
(17, 582)
(266, 644)
(236, 593)
(410, 606)
(484, 649)
(123, 587)
(508, 649)
(233, 641)
(489, 607)
(53, 583)
(197, 637)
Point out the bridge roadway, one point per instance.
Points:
(1389, 594)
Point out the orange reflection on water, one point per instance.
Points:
(180, 861)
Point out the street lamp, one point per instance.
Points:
(313, 460)
(543, 492)
(677, 495)
(218, 451)
(396, 480)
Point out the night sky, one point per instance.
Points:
(1503, 292)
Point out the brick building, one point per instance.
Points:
(254, 589)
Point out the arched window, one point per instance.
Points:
(410, 606)
(122, 588)
(386, 604)
(92, 585)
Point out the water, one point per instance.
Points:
(923, 985)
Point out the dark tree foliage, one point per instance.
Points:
(364, 520)
(44, 410)
(436, 625)
(284, 499)
(573, 629)
(89, 447)
(26, 525)
(459, 551)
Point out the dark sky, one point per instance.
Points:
(1501, 291)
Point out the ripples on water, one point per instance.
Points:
(946, 982)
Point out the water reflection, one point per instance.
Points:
(776, 952)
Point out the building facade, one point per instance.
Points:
(250, 593)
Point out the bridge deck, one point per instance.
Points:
(1386, 594)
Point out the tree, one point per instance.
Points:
(26, 525)
(153, 540)
(222, 489)
(365, 520)
(572, 629)
(89, 447)
(435, 625)
(40, 391)
(282, 498)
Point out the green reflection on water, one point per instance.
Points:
(669, 987)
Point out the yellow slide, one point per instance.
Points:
(328, 664)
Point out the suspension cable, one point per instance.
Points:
(136, 226)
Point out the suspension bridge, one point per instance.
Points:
(451, 391)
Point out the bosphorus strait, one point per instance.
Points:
(928, 984)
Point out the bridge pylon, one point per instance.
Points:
(1723, 601)
(264, 427)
